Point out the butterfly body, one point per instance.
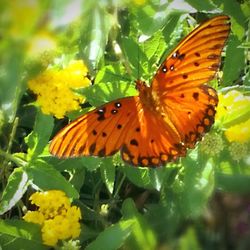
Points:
(166, 118)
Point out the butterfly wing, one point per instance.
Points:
(179, 84)
(119, 125)
(185, 108)
(151, 143)
(196, 58)
(98, 132)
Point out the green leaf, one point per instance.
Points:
(189, 240)
(77, 178)
(204, 5)
(101, 93)
(191, 188)
(142, 236)
(232, 8)
(94, 35)
(39, 137)
(11, 85)
(91, 163)
(154, 47)
(146, 177)
(197, 187)
(149, 18)
(46, 177)
(172, 32)
(20, 235)
(236, 183)
(111, 74)
(108, 173)
(135, 56)
(113, 237)
(232, 68)
(13, 192)
(87, 233)
(69, 164)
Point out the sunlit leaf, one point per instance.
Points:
(13, 192)
(113, 237)
(47, 178)
(18, 234)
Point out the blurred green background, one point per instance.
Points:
(199, 202)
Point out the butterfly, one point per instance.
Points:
(166, 118)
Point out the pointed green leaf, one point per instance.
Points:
(46, 177)
(39, 137)
(113, 237)
(19, 234)
(108, 173)
(13, 192)
(232, 68)
(203, 5)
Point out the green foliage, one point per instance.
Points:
(122, 206)
(17, 234)
(14, 190)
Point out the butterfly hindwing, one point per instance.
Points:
(150, 142)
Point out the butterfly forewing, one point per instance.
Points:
(98, 132)
(196, 59)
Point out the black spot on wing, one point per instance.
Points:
(92, 148)
(134, 142)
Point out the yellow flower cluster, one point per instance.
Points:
(54, 88)
(58, 219)
(231, 105)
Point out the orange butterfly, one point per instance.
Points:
(165, 119)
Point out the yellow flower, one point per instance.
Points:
(34, 216)
(58, 219)
(239, 132)
(54, 88)
(49, 234)
(234, 107)
(231, 103)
